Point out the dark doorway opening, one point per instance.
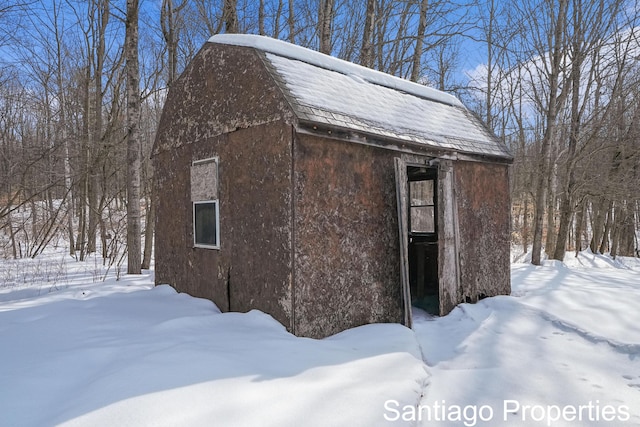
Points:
(423, 238)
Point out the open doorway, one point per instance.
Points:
(422, 237)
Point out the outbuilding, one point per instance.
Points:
(326, 194)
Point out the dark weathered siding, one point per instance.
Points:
(252, 268)
(226, 104)
(255, 219)
(173, 217)
(482, 192)
(308, 225)
(223, 89)
(346, 237)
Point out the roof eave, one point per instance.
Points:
(404, 146)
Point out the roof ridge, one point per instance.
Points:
(288, 50)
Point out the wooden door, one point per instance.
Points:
(403, 233)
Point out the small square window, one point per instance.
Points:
(206, 224)
(206, 207)
(422, 212)
(422, 219)
(421, 193)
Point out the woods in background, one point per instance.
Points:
(557, 80)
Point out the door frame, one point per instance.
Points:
(446, 228)
(403, 231)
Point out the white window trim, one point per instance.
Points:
(213, 195)
(207, 160)
(216, 202)
(201, 245)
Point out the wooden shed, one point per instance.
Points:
(324, 193)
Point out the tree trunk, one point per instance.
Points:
(551, 212)
(366, 52)
(104, 240)
(525, 225)
(82, 219)
(563, 226)
(489, 94)
(578, 230)
(566, 209)
(291, 23)
(597, 223)
(96, 137)
(276, 22)
(12, 237)
(627, 232)
(34, 227)
(231, 16)
(148, 234)
(62, 132)
(326, 24)
(261, 18)
(170, 32)
(549, 133)
(133, 141)
(81, 241)
(604, 245)
(617, 226)
(416, 66)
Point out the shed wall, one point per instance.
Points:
(482, 193)
(252, 268)
(224, 88)
(346, 236)
(226, 104)
(177, 262)
(308, 225)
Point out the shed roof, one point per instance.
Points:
(332, 92)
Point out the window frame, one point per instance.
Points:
(423, 173)
(216, 203)
(217, 222)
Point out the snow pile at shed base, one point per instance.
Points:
(125, 353)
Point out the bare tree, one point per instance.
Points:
(591, 27)
(416, 66)
(366, 52)
(291, 22)
(133, 143)
(552, 68)
(169, 23)
(261, 29)
(62, 128)
(230, 14)
(325, 24)
(102, 14)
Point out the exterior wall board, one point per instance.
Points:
(482, 191)
(226, 104)
(217, 94)
(176, 261)
(346, 237)
(253, 265)
(255, 218)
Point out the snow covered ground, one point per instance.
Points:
(564, 350)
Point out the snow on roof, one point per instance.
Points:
(327, 90)
(288, 50)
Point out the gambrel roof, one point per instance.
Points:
(327, 91)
